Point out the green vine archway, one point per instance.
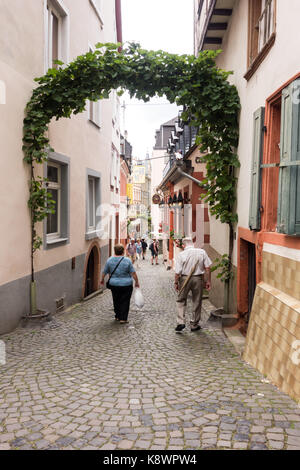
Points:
(210, 103)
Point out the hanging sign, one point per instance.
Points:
(138, 174)
(129, 192)
(156, 199)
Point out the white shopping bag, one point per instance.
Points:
(139, 298)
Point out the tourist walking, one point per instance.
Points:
(154, 251)
(121, 273)
(144, 247)
(131, 250)
(191, 265)
(139, 251)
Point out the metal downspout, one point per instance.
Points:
(188, 176)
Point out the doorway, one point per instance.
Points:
(251, 276)
(92, 272)
(247, 277)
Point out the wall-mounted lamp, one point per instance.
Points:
(180, 200)
(161, 205)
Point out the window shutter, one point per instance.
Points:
(288, 220)
(255, 194)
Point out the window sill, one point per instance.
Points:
(56, 241)
(95, 124)
(260, 58)
(93, 234)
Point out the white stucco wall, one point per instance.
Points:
(22, 58)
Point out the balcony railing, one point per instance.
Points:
(169, 166)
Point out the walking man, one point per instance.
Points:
(139, 250)
(191, 266)
(144, 247)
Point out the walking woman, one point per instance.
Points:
(121, 273)
(154, 251)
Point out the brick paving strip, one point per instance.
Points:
(83, 381)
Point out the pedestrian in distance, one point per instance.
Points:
(139, 251)
(154, 251)
(131, 250)
(144, 247)
(121, 273)
(191, 266)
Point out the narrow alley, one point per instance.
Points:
(83, 381)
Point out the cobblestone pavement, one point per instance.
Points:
(83, 381)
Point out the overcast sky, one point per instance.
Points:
(155, 24)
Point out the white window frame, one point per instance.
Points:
(52, 12)
(57, 187)
(95, 230)
(94, 113)
(266, 30)
(59, 10)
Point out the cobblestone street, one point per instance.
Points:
(83, 381)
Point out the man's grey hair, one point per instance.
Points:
(188, 241)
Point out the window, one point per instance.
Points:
(280, 166)
(95, 113)
(115, 169)
(266, 23)
(54, 188)
(93, 199)
(261, 32)
(56, 30)
(92, 204)
(289, 169)
(56, 227)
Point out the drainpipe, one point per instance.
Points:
(119, 20)
(188, 176)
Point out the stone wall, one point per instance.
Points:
(272, 344)
(58, 281)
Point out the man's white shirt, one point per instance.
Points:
(187, 259)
